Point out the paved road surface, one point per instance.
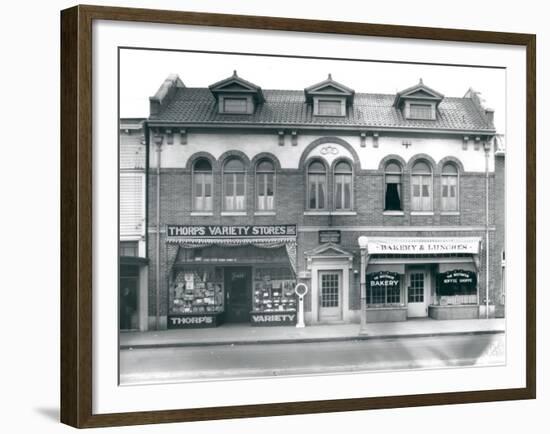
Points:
(159, 365)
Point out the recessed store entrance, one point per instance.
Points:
(238, 293)
(417, 292)
(330, 296)
(128, 303)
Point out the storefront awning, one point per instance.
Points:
(259, 236)
(423, 246)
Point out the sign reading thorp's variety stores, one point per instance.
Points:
(223, 231)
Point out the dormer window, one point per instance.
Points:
(418, 102)
(234, 105)
(330, 107)
(235, 95)
(421, 111)
(329, 98)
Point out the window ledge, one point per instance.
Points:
(422, 213)
(201, 213)
(394, 213)
(233, 213)
(343, 213)
(265, 213)
(450, 212)
(316, 212)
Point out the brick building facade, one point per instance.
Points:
(250, 191)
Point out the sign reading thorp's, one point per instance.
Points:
(225, 231)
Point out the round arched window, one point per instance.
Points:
(449, 188)
(343, 187)
(202, 185)
(421, 184)
(234, 186)
(317, 185)
(265, 185)
(392, 178)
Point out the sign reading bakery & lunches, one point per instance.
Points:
(426, 246)
(235, 231)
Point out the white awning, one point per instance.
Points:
(423, 246)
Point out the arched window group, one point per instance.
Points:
(421, 177)
(317, 186)
(234, 185)
(325, 188)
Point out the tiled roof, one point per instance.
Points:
(288, 108)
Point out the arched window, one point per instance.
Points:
(343, 175)
(449, 188)
(392, 180)
(234, 185)
(317, 185)
(265, 186)
(202, 185)
(421, 182)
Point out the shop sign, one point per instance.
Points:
(415, 246)
(192, 321)
(457, 277)
(235, 231)
(383, 279)
(330, 236)
(273, 318)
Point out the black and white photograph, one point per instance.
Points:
(283, 216)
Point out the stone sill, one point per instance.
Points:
(327, 213)
(422, 213)
(265, 213)
(343, 213)
(201, 213)
(316, 212)
(233, 213)
(394, 213)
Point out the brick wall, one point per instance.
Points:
(176, 207)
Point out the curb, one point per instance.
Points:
(303, 340)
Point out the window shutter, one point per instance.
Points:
(132, 215)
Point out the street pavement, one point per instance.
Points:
(228, 361)
(245, 334)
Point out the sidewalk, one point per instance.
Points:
(241, 334)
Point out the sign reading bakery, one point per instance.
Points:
(383, 279)
(416, 246)
(236, 231)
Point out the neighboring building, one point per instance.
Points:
(253, 190)
(133, 262)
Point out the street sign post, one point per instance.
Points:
(300, 290)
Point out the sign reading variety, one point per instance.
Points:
(415, 246)
(224, 231)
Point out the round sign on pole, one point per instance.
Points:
(301, 289)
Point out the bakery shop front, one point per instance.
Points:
(231, 274)
(420, 277)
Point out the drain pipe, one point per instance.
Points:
(487, 147)
(158, 143)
